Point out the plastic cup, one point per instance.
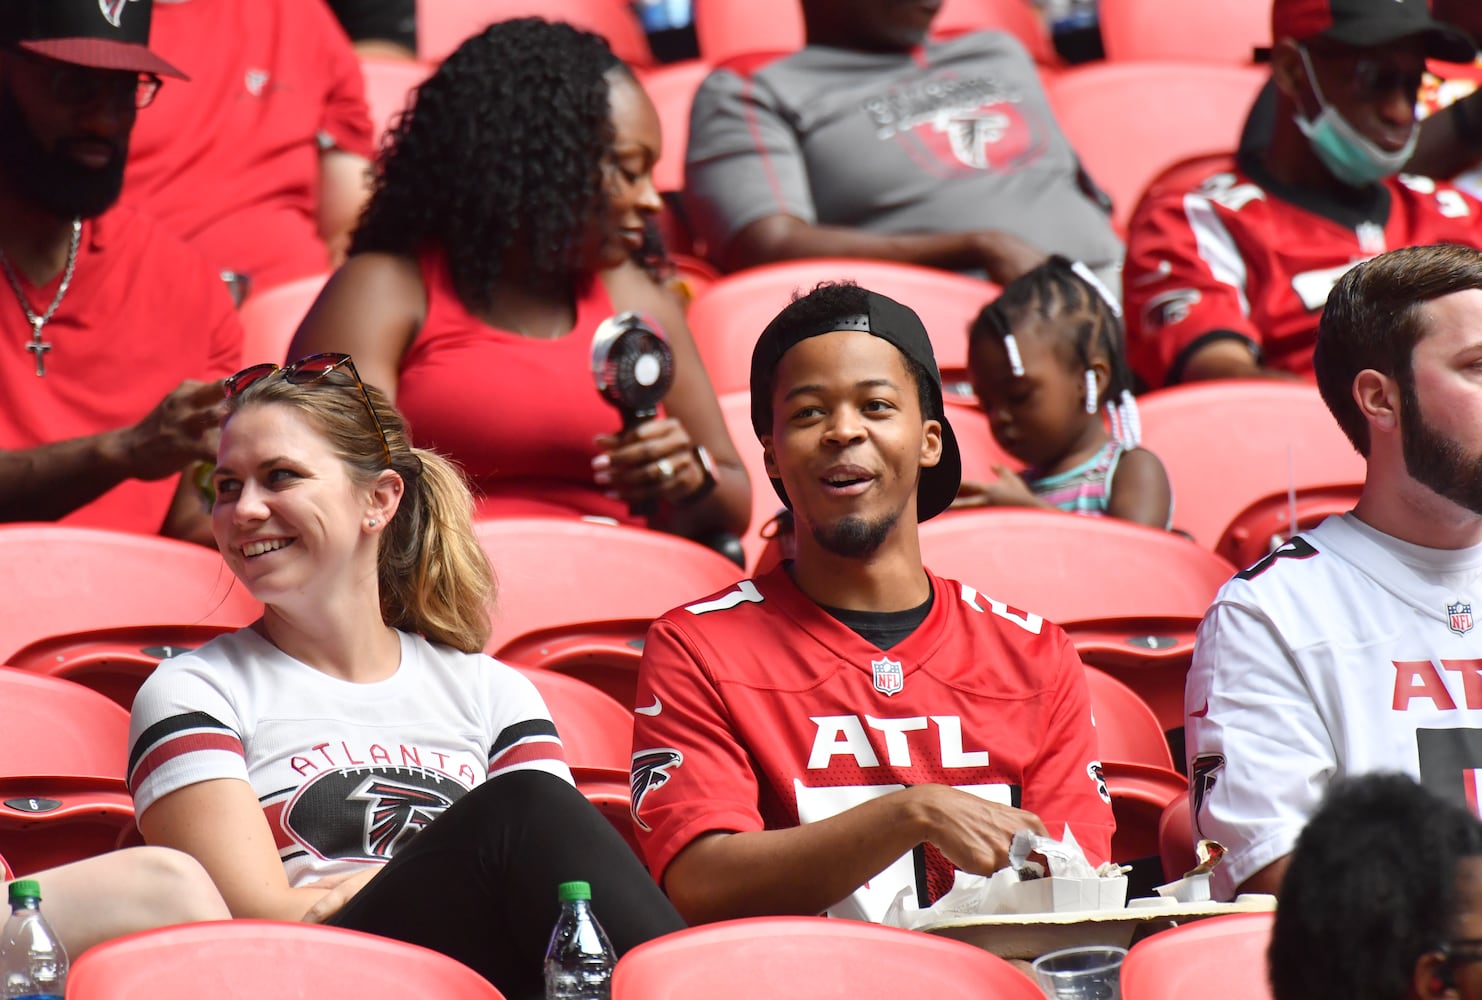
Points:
(1090, 972)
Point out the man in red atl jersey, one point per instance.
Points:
(1227, 271)
(849, 725)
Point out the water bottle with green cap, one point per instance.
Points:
(33, 963)
(580, 959)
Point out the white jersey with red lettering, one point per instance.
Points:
(758, 710)
(345, 772)
(1343, 652)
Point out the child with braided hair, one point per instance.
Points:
(1046, 359)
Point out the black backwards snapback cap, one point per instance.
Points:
(101, 34)
(892, 322)
(1367, 23)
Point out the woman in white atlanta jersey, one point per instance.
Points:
(1354, 648)
(352, 757)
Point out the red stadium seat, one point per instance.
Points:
(812, 957)
(60, 580)
(113, 661)
(608, 790)
(1229, 444)
(1268, 522)
(577, 596)
(6, 872)
(726, 28)
(1221, 958)
(63, 755)
(735, 407)
(1176, 839)
(1127, 731)
(672, 89)
(1139, 794)
(254, 959)
(271, 317)
(728, 316)
(596, 730)
(1182, 110)
(1131, 597)
(388, 89)
(442, 25)
(1210, 31)
(980, 451)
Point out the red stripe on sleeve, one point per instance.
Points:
(524, 753)
(179, 746)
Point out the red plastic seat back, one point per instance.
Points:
(388, 89)
(271, 317)
(1176, 839)
(1210, 31)
(1071, 568)
(1165, 112)
(63, 755)
(672, 89)
(253, 959)
(726, 28)
(442, 25)
(812, 957)
(727, 317)
(568, 576)
(60, 580)
(596, 730)
(1126, 729)
(1228, 444)
(1220, 958)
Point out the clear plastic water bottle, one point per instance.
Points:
(580, 959)
(33, 963)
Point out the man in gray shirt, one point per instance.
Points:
(873, 142)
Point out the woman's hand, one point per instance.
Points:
(342, 888)
(1008, 490)
(654, 461)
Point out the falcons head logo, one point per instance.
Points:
(1202, 779)
(367, 813)
(113, 10)
(650, 770)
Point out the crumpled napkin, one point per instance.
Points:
(979, 895)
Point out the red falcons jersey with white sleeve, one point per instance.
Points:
(1345, 651)
(1226, 253)
(758, 710)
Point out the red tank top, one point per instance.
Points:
(519, 414)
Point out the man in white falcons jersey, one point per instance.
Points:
(1353, 648)
(850, 725)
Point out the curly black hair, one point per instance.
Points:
(500, 152)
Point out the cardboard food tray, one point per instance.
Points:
(1029, 935)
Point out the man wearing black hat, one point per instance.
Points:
(112, 334)
(1227, 272)
(850, 726)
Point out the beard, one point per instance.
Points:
(854, 537)
(52, 180)
(1435, 461)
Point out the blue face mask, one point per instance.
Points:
(1347, 153)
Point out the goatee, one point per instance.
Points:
(854, 537)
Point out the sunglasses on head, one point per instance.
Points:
(314, 368)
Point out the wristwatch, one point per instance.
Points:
(707, 469)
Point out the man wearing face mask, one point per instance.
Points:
(1227, 271)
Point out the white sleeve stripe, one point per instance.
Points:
(745, 593)
(1216, 247)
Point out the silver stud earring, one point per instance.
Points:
(372, 523)
(1092, 405)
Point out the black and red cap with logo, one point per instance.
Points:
(890, 321)
(1367, 23)
(101, 34)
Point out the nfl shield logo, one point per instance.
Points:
(888, 677)
(1459, 617)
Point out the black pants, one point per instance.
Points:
(479, 883)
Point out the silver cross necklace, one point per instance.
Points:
(37, 346)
